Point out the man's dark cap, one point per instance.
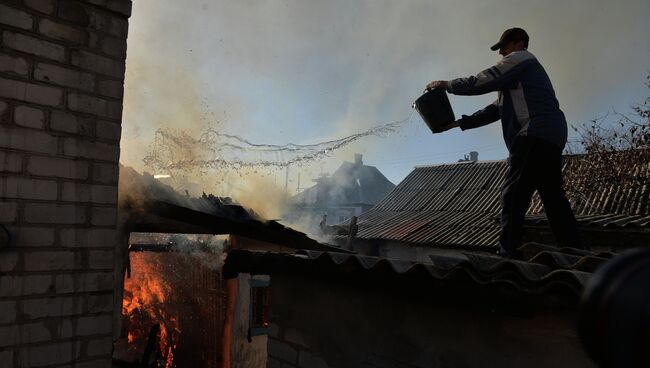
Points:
(511, 34)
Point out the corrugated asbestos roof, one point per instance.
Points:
(546, 269)
(458, 205)
(608, 220)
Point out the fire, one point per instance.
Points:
(178, 296)
(143, 305)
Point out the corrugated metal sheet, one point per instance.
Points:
(608, 220)
(632, 198)
(545, 269)
(459, 205)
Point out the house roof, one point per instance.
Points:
(545, 270)
(147, 205)
(350, 183)
(459, 205)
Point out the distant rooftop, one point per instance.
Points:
(458, 205)
(351, 183)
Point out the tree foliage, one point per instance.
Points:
(616, 151)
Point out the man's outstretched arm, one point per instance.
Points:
(480, 118)
(495, 78)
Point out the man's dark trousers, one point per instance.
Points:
(535, 164)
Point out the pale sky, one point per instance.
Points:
(304, 71)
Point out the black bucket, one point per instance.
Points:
(435, 109)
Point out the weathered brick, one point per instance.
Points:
(5, 116)
(53, 307)
(104, 194)
(95, 325)
(7, 359)
(43, 6)
(85, 326)
(113, 46)
(32, 236)
(100, 303)
(77, 192)
(51, 261)
(8, 261)
(29, 92)
(25, 285)
(75, 237)
(13, 64)
(120, 6)
(8, 212)
(281, 350)
(64, 328)
(15, 18)
(76, 283)
(29, 117)
(274, 330)
(26, 139)
(108, 130)
(273, 363)
(54, 213)
(28, 188)
(10, 162)
(71, 123)
(95, 105)
(101, 259)
(296, 337)
(33, 46)
(105, 173)
(104, 216)
(94, 150)
(73, 12)
(97, 63)
(111, 88)
(97, 347)
(24, 334)
(95, 363)
(62, 32)
(108, 23)
(64, 76)
(56, 353)
(58, 167)
(307, 360)
(7, 311)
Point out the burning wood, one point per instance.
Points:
(183, 295)
(145, 296)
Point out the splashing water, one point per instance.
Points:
(175, 150)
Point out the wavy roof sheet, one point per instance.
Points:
(545, 270)
(458, 205)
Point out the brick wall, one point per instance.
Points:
(343, 322)
(289, 348)
(61, 85)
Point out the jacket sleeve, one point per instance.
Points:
(494, 78)
(488, 115)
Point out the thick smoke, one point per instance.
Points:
(283, 71)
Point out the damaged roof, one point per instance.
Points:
(149, 206)
(458, 205)
(545, 270)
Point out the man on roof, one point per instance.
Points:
(535, 132)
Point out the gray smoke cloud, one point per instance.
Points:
(278, 71)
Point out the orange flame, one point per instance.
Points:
(143, 305)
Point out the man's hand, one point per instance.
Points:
(455, 124)
(437, 84)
